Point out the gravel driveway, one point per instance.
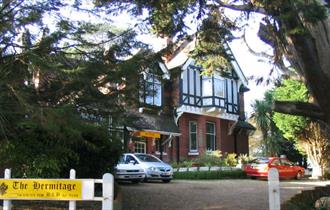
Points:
(204, 195)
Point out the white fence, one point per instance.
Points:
(77, 190)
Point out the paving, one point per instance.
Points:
(208, 195)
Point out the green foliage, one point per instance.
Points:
(230, 159)
(58, 141)
(291, 126)
(244, 158)
(236, 174)
(209, 160)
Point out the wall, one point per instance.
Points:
(224, 142)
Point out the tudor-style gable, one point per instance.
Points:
(215, 95)
(209, 91)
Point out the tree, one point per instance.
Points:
(296, 29)
(274, 142)
(45, 69)
(262, 120)
(290, 125)
(309, 136)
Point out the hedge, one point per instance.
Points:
(237, 174)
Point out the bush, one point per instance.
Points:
(210, 159)
(244, 158)
(230, 159)
(237, 174)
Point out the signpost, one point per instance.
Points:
(56, 189)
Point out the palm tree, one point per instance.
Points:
(261, 118)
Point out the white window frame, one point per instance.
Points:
(222, 89)
(155, 99)
(211, 134)
(144, 148)
(191, 133)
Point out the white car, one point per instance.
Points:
(128, 171)
(154, 168)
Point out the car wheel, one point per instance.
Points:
(299, 175)
(166, 180)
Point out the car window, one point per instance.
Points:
(286, 162)
(147, 158)
(276, 162)
(260, 160)
(130, 158)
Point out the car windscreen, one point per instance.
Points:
(147, 158)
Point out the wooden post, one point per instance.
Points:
(274, 189)
(72, 204)
(107, 192)
(7, 203)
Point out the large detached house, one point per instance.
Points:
(183, 114)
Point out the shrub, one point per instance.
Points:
(244, 158)
(237, 174)
(210, 159)
(230, 159)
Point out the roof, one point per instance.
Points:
(163, 124)
(240, 125)
(181, 57)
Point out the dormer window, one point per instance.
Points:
(152, 90)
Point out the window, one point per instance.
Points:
(129, 158)
(192, 136)
(140, 147)
(210, 136)
(213, 90)
(207, 89)
(219, 87)
(152, 90)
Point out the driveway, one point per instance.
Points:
(205, 195)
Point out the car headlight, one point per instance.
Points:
(119, 171)
(153, 169)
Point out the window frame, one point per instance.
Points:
(212, 135)
(136, 148)
(190, 136)
(155, 98)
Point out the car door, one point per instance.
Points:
(275, 163)
(288, 168)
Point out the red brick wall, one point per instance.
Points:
(224, 142)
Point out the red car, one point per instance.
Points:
(260, 166)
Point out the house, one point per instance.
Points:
(183, 114)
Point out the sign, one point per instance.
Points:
(148, 134)
(41, 189)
